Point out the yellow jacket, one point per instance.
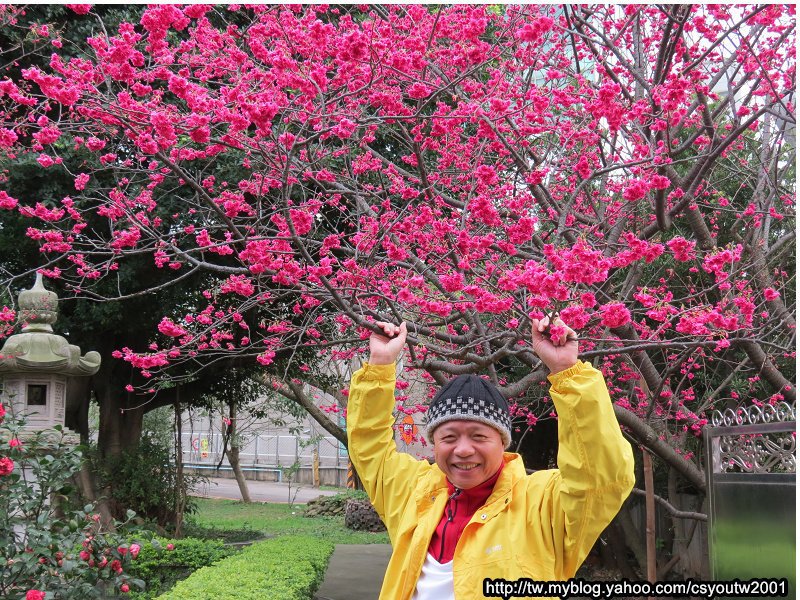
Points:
(539, 526)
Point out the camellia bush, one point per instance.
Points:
(462, 168)
(48, 552)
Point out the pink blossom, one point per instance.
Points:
(575, 316)
(636, 190)
(238, 284)
(682, 249)
(47, 135)
(588, 300)
(265, 358)
(532, 32)
(45, 160)
(7, 137)
(614, 314)
(81, 181)
(453, 282)
(95, 144)
(80, 9)
(770, 294)
(344, 129)
(419, 90)
(169, 328)
(6, 201)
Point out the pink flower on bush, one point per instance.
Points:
(135, 548)
(34, 595)
(124, 588)
(771, 294)
(170, 547)
(14, 443)
(6, 466)
(614, 314)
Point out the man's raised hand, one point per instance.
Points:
(557, 354)
(384, 349)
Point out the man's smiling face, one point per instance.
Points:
(468, 452)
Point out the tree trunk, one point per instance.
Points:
(180, 499)
(233, 456)
(85, 482)
(650, 511)
(633, 538)
(121, 413)
(616, 538)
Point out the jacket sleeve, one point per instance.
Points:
(389, 476)
(595, 465)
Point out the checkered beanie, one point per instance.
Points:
(470, 398)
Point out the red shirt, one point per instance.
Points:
(459, 510)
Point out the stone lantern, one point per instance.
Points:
(35, 364)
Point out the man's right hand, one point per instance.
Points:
(384, 349)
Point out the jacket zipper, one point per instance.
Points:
(450, 515)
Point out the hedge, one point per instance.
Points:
(160, 568)
(285, 568)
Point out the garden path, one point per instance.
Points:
(355, 572)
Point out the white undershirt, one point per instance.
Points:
(436, 581)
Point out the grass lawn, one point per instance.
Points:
(278, 520)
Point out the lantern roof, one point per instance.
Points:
(37, 349)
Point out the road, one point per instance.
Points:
(260, 491)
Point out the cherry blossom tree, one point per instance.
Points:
(462, 168)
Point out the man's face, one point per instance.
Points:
(468, 452)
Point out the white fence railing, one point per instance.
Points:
(264, 450)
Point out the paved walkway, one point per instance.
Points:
(355, 572)
(261, 491)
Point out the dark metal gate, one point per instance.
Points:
(751, 493)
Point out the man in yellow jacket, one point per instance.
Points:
(475, 514)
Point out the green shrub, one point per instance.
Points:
(288, 568)
(143, 479)
(160, 568)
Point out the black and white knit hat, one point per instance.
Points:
(470, 398)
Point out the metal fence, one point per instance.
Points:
(264, 450)
(751, 494)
